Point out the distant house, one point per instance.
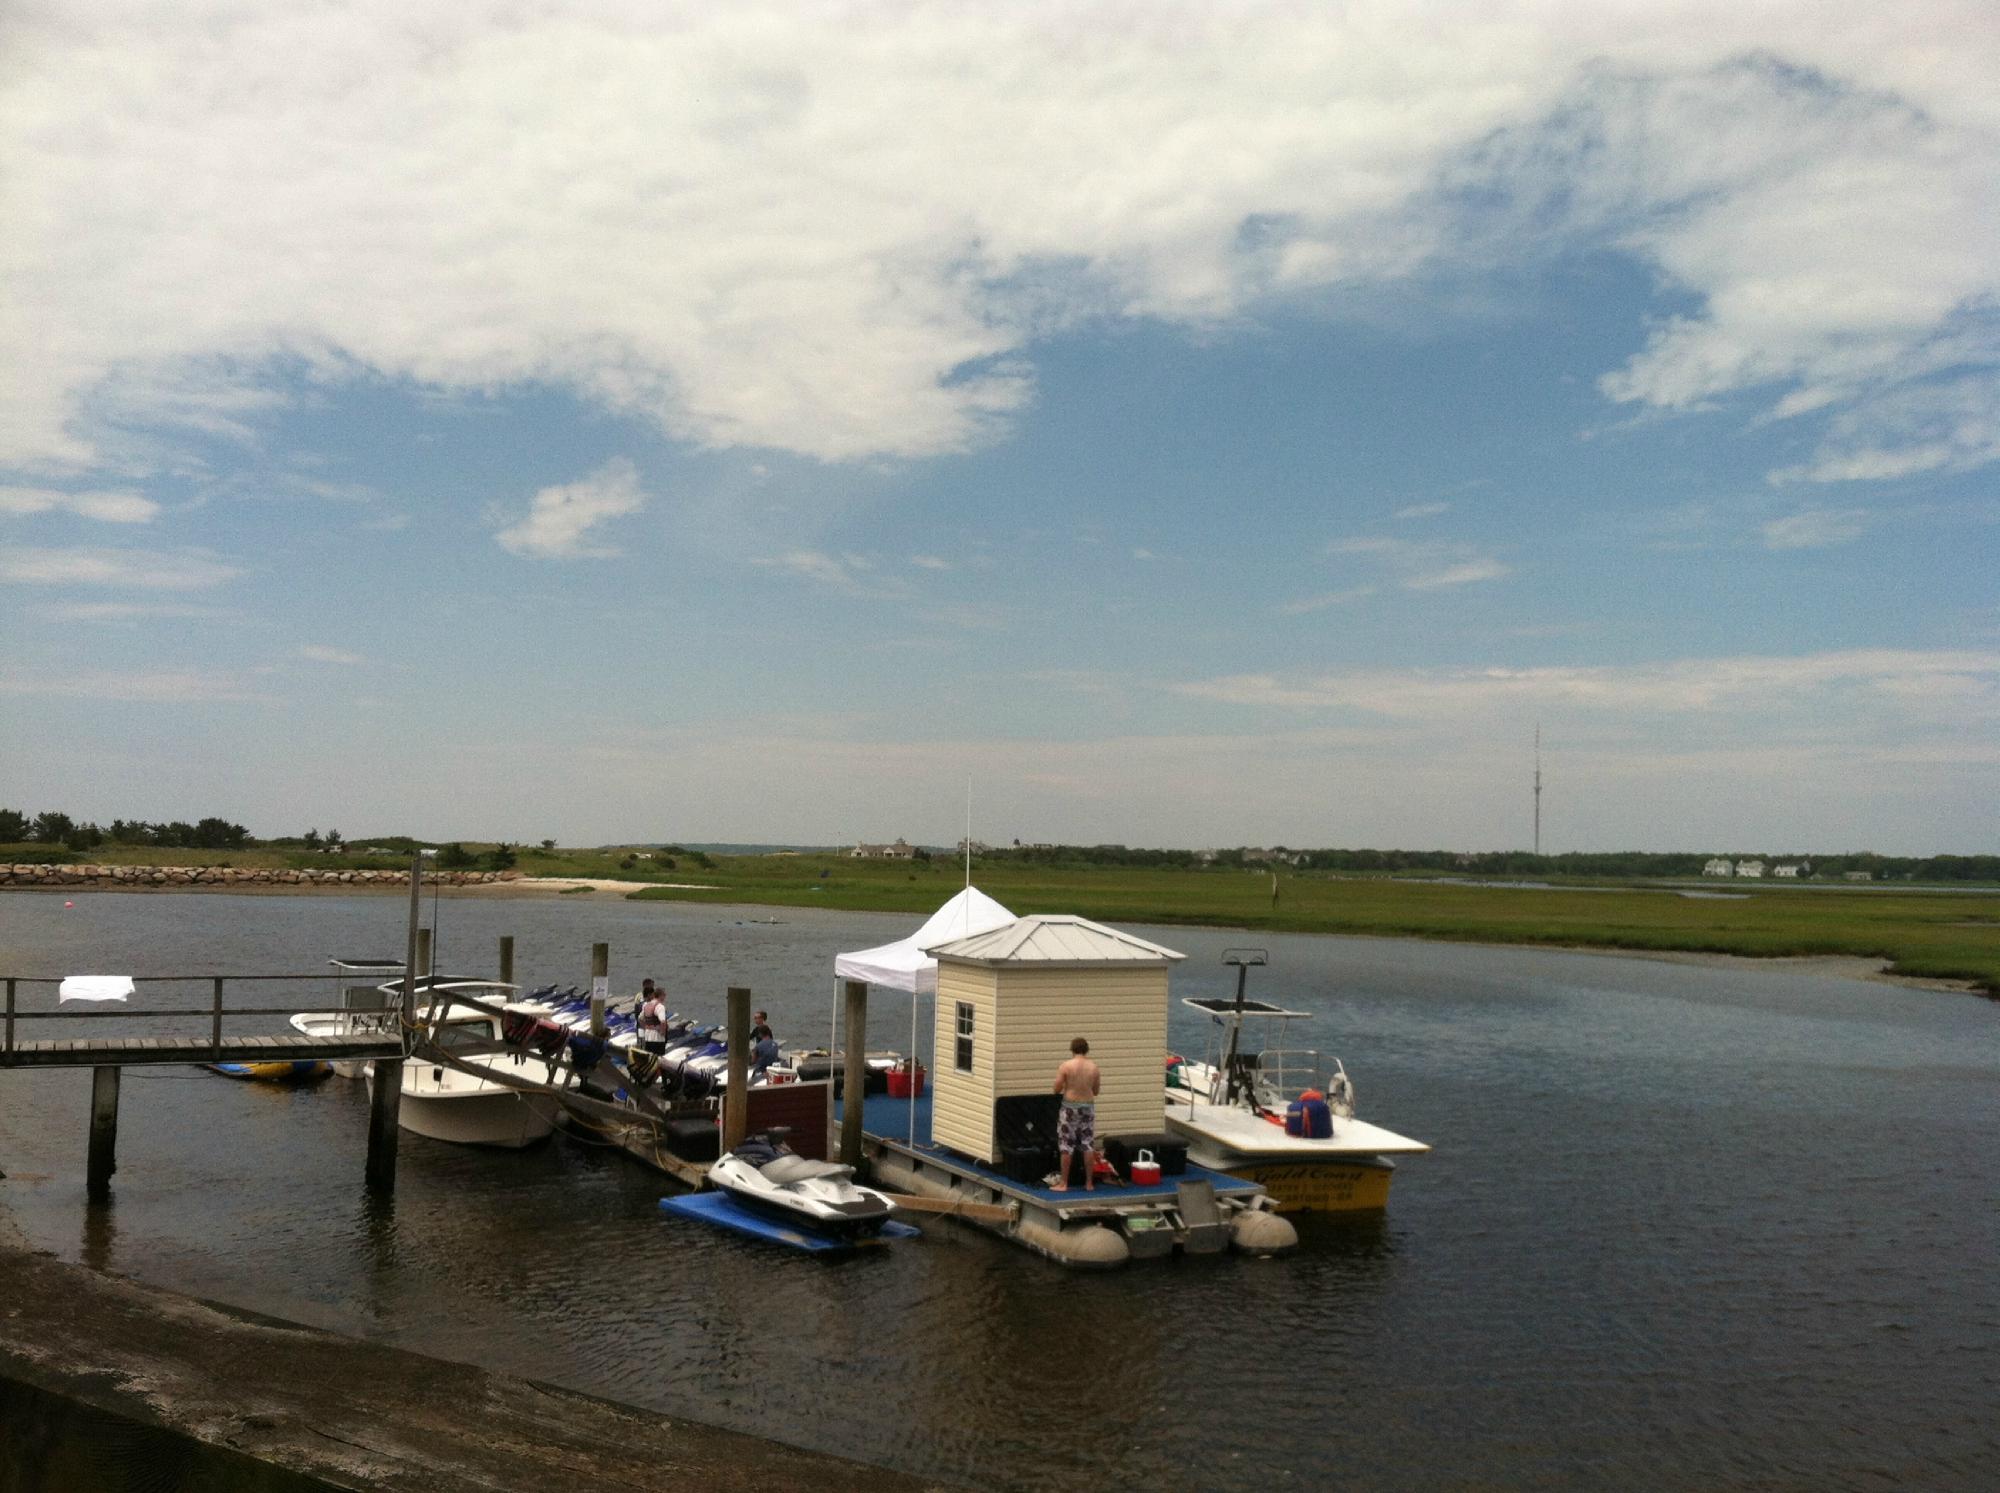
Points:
(1857, 875)
(1719, 867)
(974, 847)
(1749, 868)
(900, 851)
(1790, 873)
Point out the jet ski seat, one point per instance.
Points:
(787, 1169)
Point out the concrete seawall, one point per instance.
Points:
(106, 1384)
(236, 878)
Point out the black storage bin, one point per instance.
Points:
(1029, 1164)
(1027, 1120)
(694, 1139)
(1170, 1151)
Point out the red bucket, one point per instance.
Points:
(899, 1082)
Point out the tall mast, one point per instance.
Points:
(1538, 788)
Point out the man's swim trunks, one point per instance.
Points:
(1078, 1131)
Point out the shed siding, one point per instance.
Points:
(1121, 1011)
(962, 1103)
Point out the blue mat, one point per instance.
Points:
(722, 1210)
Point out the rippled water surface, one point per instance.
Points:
(1683, 1227)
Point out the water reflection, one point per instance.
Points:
(100, 1235)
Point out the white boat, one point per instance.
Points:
(1280, 1116)
(765, 1176)
(449, 1104)
(359, 1007)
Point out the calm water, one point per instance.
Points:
(1683, 1227)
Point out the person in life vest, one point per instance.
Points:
(652, 1018)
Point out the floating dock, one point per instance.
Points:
(719, 1209)
(1197, 1212)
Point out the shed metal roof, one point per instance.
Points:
(1054, 939)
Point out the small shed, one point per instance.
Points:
(1010, 1001)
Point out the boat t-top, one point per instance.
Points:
(1276, 1114)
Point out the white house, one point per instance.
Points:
(1749, 868)
(1719, 866)
(1790, 873)
(900, 851)
(1857, 875)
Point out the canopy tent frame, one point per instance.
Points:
(903, 965)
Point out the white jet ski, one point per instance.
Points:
(765, 1175)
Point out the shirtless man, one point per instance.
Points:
(1078, 1081)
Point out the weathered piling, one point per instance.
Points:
(854, 1083)
(385, 1107)
(103, 1131)
(507, 959)
(424, 964)
(735, 1097)
(600, 986)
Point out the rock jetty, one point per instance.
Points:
(139, 878)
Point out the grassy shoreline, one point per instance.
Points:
(1931, 935)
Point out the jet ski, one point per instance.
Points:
(766, 1176)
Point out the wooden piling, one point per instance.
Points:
(103, 1131)
(424, 952)
(736, 1097)
(600, 969)
(10, 1016)
(385, 1104)
(507, 959)
(854, 1084)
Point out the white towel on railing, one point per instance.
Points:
(95, 988)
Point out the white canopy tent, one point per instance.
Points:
(904, 965)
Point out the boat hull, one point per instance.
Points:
(1333, 1186)
(441, 1104)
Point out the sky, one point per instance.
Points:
(1155, 424)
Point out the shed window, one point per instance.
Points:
(965, 1036)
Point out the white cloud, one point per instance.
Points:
(146, 570)
(1815, 528)
(733, 232)
(106, 507)
(1464, 573)
(931, 562)
(848, 574)
(1748, 688)
(1426, 566)
(1421, 510)
(560, 517)
(321, 653)
(130, 611)
(157, 687)
(1325, 599)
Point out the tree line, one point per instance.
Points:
(55, 828)
(1509, 863)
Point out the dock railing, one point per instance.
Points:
(216, 1010)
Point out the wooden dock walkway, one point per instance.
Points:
(126, 1052)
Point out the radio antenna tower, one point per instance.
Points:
(1538, 788)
